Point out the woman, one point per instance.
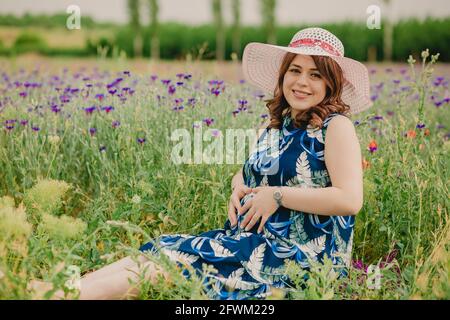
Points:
(299, 191)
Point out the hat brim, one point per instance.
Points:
(261, 63)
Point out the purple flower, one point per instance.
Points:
(440, 126)
(438, 81)
(215, 133)
(92, 131)
(208, 121)
(403, 71)
(140, 140)
(396, 81)
(35, 128)
(265, 115)
(191, 102)
(178, 101)
(127, 73)
(165, 81)
(420, 126)
(55, 109)
(216, 92)
(178, 108)
(438, 103)
(89, 110)
(100, 96)
(242, 81)
(153, 77)
(187, 76)
(112, 91)
(180, 83)
(180, 75)
(242, 102)
(374, 97)
(115, 124)
(377, 117)
(172, 89)
(108, 109)
(23, 94)
(102, 148)
(24, 122)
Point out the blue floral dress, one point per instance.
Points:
(249, 264)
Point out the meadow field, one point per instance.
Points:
(86, 173)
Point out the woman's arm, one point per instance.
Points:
(343, 161)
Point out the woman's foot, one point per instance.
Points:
(38, 289)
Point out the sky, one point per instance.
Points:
(288, 12)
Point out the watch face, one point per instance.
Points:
(277, 195)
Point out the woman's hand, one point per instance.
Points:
(261, 206)
(235, 202)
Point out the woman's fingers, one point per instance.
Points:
(263, 222)
(232, 214)
(253, 221)
(246, 206)
(248, 216)
(236, 202)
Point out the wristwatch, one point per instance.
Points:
(277, 195)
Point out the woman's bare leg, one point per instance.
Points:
(103, 284)
(112, 281)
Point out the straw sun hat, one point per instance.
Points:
(261, 63)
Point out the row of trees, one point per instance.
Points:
(267, 12)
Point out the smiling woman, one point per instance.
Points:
(299, 191)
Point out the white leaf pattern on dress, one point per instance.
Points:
(314, 132)
(313, 247)
(219, 250)
(254, 263)
(178, 256)
(303, 170)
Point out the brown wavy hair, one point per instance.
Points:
(332, 73)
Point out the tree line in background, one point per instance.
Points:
(219, 41)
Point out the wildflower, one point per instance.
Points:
(216, 92)
(178, 101)
(420, 126)
(13, 222)
(102, 148)
(265, 115)
(23, 94)
(100, 96)
(115, 124)
(215, 133)
(411, 60)
(187, 76)
(425, 54)
(108, 109)
(377, 117)
(140, 140)
(136, 199)
(89, 110)
(395, 81)
(426, 132)
(374, 97)
(175, 108)
(46, 195)
(242, 81)
(92, 131)
(208, 121)
(410, 134)
(191, 102)
(372, 146)
(171, 89)
(126, 73)
(35, 129)
(112, 91)
(23, 122)
(63, 227)
(153, 77)
(166, 82)
(179, 83)
(54, 140)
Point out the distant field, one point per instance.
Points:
(227, 70)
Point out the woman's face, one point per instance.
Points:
(303, 86)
